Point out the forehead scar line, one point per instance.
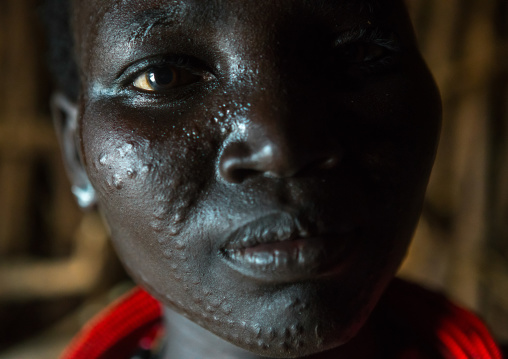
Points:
(142, 22)
(149, 19)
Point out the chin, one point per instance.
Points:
(295, 320)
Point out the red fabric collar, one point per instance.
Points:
(453, 331)
(116, 332)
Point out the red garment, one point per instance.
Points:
(422, 323)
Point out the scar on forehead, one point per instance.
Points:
(145, 21)
(172, 13)
(141, 22)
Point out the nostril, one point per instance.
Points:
(242, 160)
(237, 163)
(321, 164)
(329, 162)
(240, 174)
(234, 170)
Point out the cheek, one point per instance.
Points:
(395, 128)
(146, 175)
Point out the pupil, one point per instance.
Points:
(162, 76)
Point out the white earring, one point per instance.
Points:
(85, 197)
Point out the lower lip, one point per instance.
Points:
(289, 261)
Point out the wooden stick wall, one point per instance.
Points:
(462, 241)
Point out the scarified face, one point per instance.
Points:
(261, 164)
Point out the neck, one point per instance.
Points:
(187, 340)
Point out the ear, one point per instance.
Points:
(65, 119)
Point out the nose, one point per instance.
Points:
(278, 146)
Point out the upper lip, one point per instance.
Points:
(275, 227)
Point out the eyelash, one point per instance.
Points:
(370, 39)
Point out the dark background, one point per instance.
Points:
(56, 264)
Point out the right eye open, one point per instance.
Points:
(165, 77)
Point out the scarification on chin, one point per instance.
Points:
(216, 313)
(249, 334)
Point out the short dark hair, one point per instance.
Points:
(56, 15)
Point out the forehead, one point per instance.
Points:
(90, 15)
(118, 29)
(210, 9)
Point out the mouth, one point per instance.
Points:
(280, 248)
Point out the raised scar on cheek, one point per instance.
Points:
(123, 162)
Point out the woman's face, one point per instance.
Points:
(261, 164)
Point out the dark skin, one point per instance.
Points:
(261, 164)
